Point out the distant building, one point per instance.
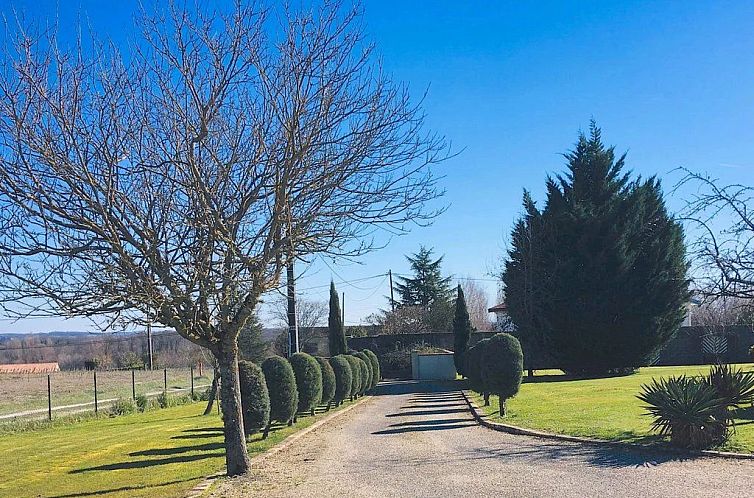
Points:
(29, 368)
(502, 318)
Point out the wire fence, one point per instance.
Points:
(36, 395)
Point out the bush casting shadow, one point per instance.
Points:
(141, 464)
(401, 430)
(428, 412)
(121, 489)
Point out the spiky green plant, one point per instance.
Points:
(733, 385)
(687, 409)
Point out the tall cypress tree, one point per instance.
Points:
(607, 271)
(461, 331)
(250, 343)
(336, 336)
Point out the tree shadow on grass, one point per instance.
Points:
(120, 490)
(218, 430)
(140, 464)
(179, 449)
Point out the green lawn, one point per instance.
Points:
(159, 453)
(602, 408)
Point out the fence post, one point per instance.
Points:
(49, 399)
(165, 376)
(96, 408)
(133, 384)
(192, 382)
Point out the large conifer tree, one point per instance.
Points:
(602, 268)
(427, 285)
(251, 345)
(336, 336)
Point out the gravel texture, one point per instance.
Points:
(420, 440)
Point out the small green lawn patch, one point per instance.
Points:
(605, 408)
(158, 453)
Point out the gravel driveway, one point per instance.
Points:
(419, 439)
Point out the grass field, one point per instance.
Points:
(162, 453)
(20, 392)
(602, 408)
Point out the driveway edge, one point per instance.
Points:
(520, 431)
(201, 488)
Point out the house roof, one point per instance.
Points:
(499, 308)
(29, 368)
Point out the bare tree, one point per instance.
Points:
(175, 179)
(309, 315)
(477, 303)
(723, 262)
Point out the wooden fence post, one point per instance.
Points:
(49, 399)
(133, 384)
(96, 408)
(192, 382)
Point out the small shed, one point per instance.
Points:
(29, 368)
(433, 366)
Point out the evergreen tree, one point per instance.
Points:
(250, 343)
(600, 277)
(461, 332)
(522, 286)
(336, 337)
(427, 286)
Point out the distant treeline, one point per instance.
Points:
(116, 350)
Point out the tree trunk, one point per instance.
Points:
(212, 393)
(312, 412)
(236, 456)
(486, 399)
(330, 403)
(266, 430)
(502, 406)
(531, 373)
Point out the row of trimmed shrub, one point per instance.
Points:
(495, 366)
(281, 389)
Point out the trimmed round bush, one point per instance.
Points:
(356, 374)
(375, 362)
(343, 377)
(502, 367)
(255, 398)
(308, 381)
(281, 384)
(366, 376)
(473, 364)
(368, 381)
(328, 380)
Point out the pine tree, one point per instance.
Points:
(607, 272)
(461, 331)
(250, 343)
(336, 336)
(523, 286)
(427, 286)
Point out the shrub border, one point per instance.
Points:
(202, 487)
(481, 418)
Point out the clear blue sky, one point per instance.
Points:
(511, 83)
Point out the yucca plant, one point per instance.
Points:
(686, 408)
(733, 385)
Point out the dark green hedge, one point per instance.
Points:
(343, 377)
(366, 376)
(308, 381)
(328, 380)
(375, 362)
(255, 399)
(356, 377)
(368, 364)
(281, 384)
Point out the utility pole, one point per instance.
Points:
(392, 301)
(149, 341)
(293, 346)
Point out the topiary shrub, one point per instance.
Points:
(255, 398)
(366, 376)
(343, 377)
(328, 381)
(308, 381)
(502, 367)
(368, 364)
(356, 375)
(375, 362)
(281, 385)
